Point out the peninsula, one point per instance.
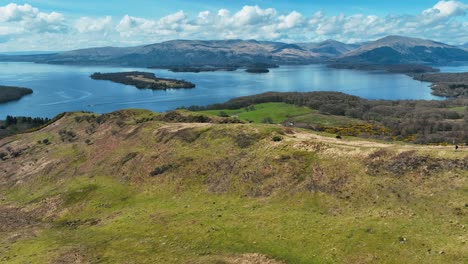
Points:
(10, 93)
(446, 84)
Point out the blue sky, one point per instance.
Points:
(63, 25)
(156, 8)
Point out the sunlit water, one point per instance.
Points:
(68, 88)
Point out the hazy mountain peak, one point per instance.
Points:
(399, 49)
(407, 41)
(329, 48)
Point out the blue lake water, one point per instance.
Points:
(68, 88)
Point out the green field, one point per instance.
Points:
(460, 109)
(155, 192)
(280, 112)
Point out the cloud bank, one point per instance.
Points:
(24, 27)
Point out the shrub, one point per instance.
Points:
(128, 157)
(244, 140)
(67, 135)
(267, 120)
(277, 138)
(223, 114)
(160, 170)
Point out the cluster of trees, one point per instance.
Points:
(418, 121)
(34, 121)
(446, 84)
(12, 125)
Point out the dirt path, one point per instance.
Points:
(310, 141)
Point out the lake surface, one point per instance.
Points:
(60, 88)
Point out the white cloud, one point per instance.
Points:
(175, 18)
(253, 15)
(291, 20)
(13, 12)
(88, 24)
(447, 9)
(26, 27)
(30, 19)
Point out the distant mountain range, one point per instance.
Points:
(28, 52)
(388, 50)
(403, 50)
(329, 48)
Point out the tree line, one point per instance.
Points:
(417, 121)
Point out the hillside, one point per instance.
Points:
(140, 187)
(178, 53)
(329, 48)
(404, 50)
(416, 121)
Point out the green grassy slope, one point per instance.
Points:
(281, 112)
(131, 187)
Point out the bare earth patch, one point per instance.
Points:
(74, 256)
(251, 258)
(12, 219)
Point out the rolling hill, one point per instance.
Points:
(135, 186)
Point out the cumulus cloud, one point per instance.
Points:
(291, 20)
(30, 19)
(13, 12)
(447, 9)
(21, 25)
(88, 24)
(254, 15)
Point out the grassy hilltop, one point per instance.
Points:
(135, 186)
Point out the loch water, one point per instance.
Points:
(59, 88)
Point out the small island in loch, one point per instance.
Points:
(198, 69)
(260, 67)
(257, 70)
(10, 93)
(143, 80)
